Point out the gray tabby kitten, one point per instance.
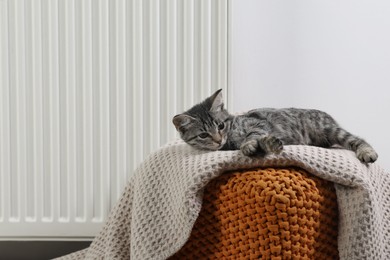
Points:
(261, 131)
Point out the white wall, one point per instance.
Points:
(329, 55)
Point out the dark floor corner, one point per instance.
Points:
(38, 250)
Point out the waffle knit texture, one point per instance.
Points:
(272, 213)
(154, 216)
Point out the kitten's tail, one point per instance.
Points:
(364, 151)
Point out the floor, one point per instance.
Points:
(38, 250)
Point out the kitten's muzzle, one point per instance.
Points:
(221, 143)
(217, 138)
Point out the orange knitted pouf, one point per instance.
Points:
(267, 214)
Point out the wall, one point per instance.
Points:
(329, 55)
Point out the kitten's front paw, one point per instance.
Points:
(366, 155)
(273, 144)
(249, 148)
(269, 144)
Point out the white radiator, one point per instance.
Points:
(88, 89)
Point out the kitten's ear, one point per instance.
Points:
(216, 101)
(181, 121)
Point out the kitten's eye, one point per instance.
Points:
(221, 126)
(203, 135)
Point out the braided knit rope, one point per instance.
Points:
(265, 213)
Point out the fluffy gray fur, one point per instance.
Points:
(261, 131)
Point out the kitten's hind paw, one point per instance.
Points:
(367, 155)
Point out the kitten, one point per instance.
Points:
(261, 131)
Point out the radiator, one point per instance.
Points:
(87, 90)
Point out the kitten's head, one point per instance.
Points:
(205, 125)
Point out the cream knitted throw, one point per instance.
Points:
(156, 212)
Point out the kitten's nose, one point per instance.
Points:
(217, 138)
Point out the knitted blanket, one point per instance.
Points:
(157, 210)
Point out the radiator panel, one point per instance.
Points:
(87, 90)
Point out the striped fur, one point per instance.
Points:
(209, 126)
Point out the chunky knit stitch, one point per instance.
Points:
(265, 214)
(154, 217)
